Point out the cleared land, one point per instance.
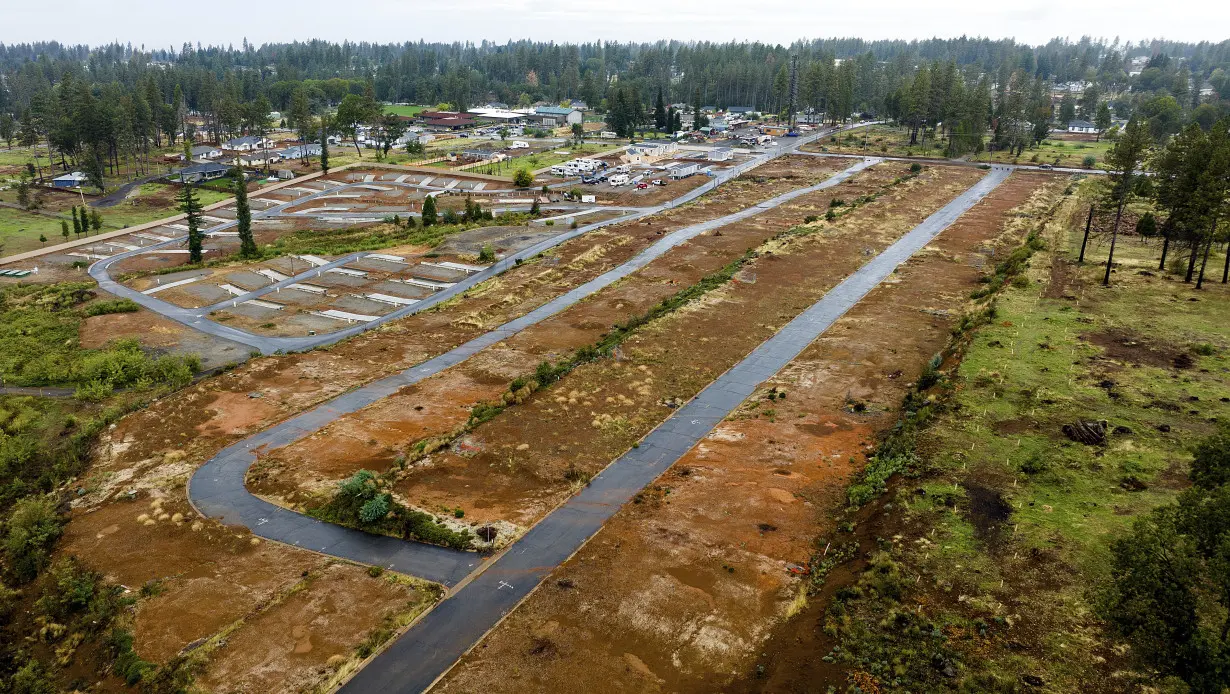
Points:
(513, 469)
(686, 582)
(152, 452)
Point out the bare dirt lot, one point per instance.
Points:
(149, 455)
(520, 465)
(160, 336)
(684, 586)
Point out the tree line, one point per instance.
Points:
(108, 110)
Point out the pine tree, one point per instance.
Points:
(243, 216)
(95, 220)
(191, 206)
(659, 113)
(64, 229)
(429, 210)
(324, 146)
(76, 222)
(1124, 159)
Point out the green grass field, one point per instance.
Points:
(893, 141)
(1066, 153)
(1006, 529)
(20, 231)
(404, 110)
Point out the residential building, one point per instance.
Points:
(1081, 126)
(682, 169)
(75, 179)
(247, 143)
(647, 152)
(206, 152)
(721, 154)
(299, 152)
(257, 158)
(197, 173)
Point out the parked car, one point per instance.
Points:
(642, 185)
(1046, 167)
(658, 182)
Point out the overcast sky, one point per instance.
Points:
(169, 24)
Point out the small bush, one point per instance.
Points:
(487, 254)
(32, 529)
(100, 308)
(915, 167)
(1204, 349)
(1089, 161)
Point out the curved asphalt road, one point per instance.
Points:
(217, 487)
(427, 651)
(198, 318)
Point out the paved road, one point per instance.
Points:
(198, 318)
(217, 487)
(118, 195)
(430, 647)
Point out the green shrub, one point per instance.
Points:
(487, 254)
(72, 592)
(915, 167)
(361, 502)
(127, 665)
(32, 529)
(1089, 161)
(100, 308)
(31, 678)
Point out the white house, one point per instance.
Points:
(206, 152)
(299, 152)
(682, 169)
(646, 152)
(257, 158)
(1081, 126)
(247, 143)
(721, 154)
